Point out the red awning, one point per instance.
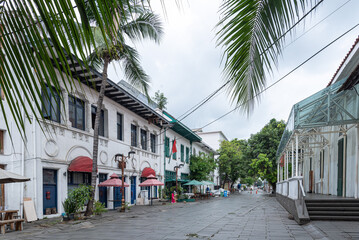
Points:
(148, 171)
(81, 164)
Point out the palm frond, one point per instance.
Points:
(134, 73)
(37, 39)
(147, 25)
(250, 34)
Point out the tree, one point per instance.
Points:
(263, 149)
(250, 33)
(264, 168)
(160, 100)
(37, 37)
(201, 166)
(137, 23)
(230, 161)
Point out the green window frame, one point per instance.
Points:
(167, 147)
(174, 155)
(187, 154)
(182, 153)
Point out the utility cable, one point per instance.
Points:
(206, 99)
(279, 80)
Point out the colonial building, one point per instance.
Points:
(56, 153)
(319, 152)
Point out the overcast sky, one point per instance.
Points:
(186, 66)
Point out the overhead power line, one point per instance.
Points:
(279, 80)
(206, 99)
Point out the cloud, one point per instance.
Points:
(186, 65)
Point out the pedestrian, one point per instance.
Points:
(207, 189)
(173, 200)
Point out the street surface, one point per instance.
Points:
(241, 216)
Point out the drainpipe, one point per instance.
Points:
(35, 163)
(357, 162)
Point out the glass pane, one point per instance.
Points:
(72, 111)
(80, 114)
(49, 176)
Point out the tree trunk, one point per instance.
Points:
(89, 209)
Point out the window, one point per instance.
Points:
(1, 142)
(119, 126)
(144, 139)
(153, 143)
(133, 135)
(187, 155)
(194, 152)
(174, 155)
(167, 147)
(51, 104)
(77, 113)
(182, 153)
(101, 127)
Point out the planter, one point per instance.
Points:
(68, 217)
(186, 200)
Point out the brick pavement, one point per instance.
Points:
(241, 216)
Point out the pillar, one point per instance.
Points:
(292, 159)
(296, 155)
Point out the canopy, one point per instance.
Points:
(151, 182)
(9, 177)
(194, 182)
(151, 177)
(208, 183)
(114, 181)
(148, 171)
(81, 164)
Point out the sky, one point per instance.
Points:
(186, 65)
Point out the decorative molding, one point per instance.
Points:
(51, 148)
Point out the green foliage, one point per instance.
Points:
(248, 181)
(250, 33)
(230, 161)
(263, 149)
(76, 199)
(160, 100)
(180, 189)
(99, 208)
(201, 166)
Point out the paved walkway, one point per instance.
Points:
(241, 216)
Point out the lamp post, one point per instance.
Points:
(176, 169)
(121, 159)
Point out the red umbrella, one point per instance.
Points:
(114, 181)
(151, 181)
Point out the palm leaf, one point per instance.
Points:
(250, 34)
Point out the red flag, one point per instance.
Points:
(174, 149)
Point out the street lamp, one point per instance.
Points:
(121, 159)
(176, 169)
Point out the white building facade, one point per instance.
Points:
(57, 152)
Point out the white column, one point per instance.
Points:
(285, 169)
(287, 159)
(278, 180)
(296, 155)
(292, 159)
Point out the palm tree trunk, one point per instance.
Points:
(89, 209)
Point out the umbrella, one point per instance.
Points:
(208, 183)
(151, 181)
(114, 181)
(194, 182)
(9, 177)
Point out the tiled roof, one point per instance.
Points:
(342, 63)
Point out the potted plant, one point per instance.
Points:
(70, 207)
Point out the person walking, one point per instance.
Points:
(173, 200)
